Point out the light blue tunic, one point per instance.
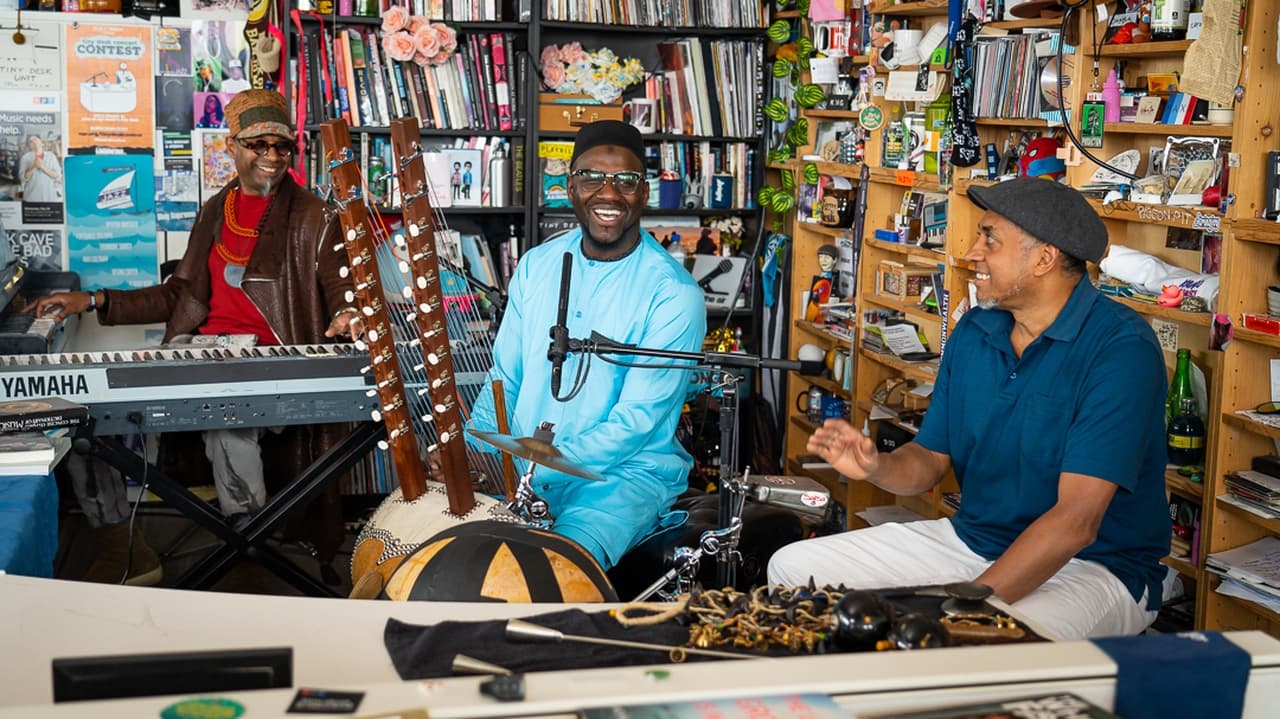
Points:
(622, 423)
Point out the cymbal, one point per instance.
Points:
(536, 451)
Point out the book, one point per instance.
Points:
(25, 448)
(55, 445)
(792, 706)
(23, 415)
(1046, 706)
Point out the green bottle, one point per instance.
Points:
(1179, 386)
(1185, 438)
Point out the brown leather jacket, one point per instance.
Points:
(292, 277)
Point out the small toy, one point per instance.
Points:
(1041, 159)
(1170, 296)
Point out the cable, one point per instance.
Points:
(1062, 92)
(133, 513)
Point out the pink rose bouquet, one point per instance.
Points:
(408, 37)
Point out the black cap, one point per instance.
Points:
(608, 132)
(1050, 212)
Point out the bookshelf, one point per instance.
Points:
(1236, 378)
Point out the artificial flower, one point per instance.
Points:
(599, 73)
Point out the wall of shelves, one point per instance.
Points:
(1237, 378)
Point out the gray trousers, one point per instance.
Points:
(237, 477)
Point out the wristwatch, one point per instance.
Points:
(93, 299)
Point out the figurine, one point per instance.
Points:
(820, 288)
(1040, 159)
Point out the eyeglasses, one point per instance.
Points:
(625, 182)
(260, 147)
(1268, 408)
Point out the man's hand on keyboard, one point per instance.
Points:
(61, 304)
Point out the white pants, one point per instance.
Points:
(1082, 600)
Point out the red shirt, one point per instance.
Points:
(230, 310)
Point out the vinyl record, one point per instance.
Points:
(1049, 80)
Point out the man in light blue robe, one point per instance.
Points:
(621, 422)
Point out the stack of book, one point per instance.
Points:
(34, 433)
(1254, 491)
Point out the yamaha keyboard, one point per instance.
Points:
(198, 388)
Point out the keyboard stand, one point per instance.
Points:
(248, 541)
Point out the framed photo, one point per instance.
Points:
(465, 177)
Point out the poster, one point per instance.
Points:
(173, 51)
(36, 64)
(109, 95)
(177, 185)
(173, 104)
(31, 171)
(111, 221)
(219, 55)
(217, 167)
(37, 248)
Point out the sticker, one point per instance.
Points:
(205, 708)
(813, 499)
(871, 118)
(321, 701)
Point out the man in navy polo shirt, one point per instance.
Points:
(1049, 407)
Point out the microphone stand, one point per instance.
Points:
(731, 493)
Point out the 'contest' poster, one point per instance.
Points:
(109, 87)
(111, 221)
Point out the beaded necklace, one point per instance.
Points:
(234, 272)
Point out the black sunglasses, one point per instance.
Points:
(625, 182)
(283, 148)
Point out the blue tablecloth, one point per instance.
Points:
(28, 524)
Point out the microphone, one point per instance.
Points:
(559, 347)
(705, 283)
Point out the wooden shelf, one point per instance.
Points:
(1241, 422)
(1182, 486)
(839, 169)
(1262, 231)
(823, 229)
(1270, 525)
(1051, 22)
(1174, 48)
(1269, 617)
(906, 250)
(828, 339)
(831, 114)
(1256, 337)
(904, 178)
(925, 371)
(918, 7)
(1134, 128)
(825, 383)
(1189, 217)
(866, 405)
(1149, 309)
(1181, 565)
(910, 309)
(1012, 121)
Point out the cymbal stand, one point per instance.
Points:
(526, 504)
(598, 344)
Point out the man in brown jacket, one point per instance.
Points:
(264, 259)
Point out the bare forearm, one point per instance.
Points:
(1037, 554)
(909, 470)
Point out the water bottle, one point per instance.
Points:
(499, 178)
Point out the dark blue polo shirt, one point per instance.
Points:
(1087, 397)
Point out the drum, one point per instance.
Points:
(398, 527)
(499, 561)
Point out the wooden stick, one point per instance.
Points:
(508, 464)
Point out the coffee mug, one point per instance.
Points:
(642, 113)
(832, 407)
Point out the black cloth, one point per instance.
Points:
(421, 652)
